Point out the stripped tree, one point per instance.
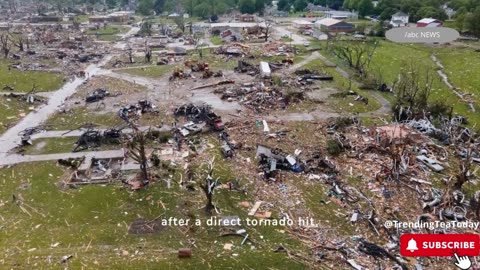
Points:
(412, 90)
(208, 187)
(464, 174)
(5, 43)
(356, 53)
(19, 42)
(136, 150)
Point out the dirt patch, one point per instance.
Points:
(321, 94)
(39, 146)
(141, 226)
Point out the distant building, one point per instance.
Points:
(302, 24)
(334, 26)
(247, 18)
(236, 27)
(119, 17)
(429, 22)
(98, 19)
(341, 15)
(316, 8)
(399, 19)
(115, 17)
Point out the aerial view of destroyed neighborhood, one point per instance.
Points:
(240, 134)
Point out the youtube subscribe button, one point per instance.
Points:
(419, 245)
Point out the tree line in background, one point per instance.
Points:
(466, 17)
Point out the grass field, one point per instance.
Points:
(82, 18)
(216, 40)
(108, 33)
(150, 72)
(91, 223)
(10, 109)
(342, 84)
(80, 116)
(60, 145)
(138, 61)
(112, 85)
(51, 146)
(159, 71)
(23, 81)
(214, 61)
(462, 66)
(389, 58)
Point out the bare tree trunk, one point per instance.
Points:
(136, 150)
(464, 172)
(4, 41)
(208, 187)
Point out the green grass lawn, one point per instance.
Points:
(82, 18)
(213, 60)
(51, 146)
(108, 33)
(23, 81)
(91, 223)
(138, 61)
(80, 116)
(462, 66)
(150, 72)
(10, 108)
(216, 40)
(342, 84)
(389, 58)
(44, 146)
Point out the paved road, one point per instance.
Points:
(10, 138)
(281, 31)
(385, 104)
(17, 158)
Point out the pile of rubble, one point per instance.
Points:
(394, 165)
(132, 112)
(93, 138)
(308, 76)
(277, 48)
(234, 49)
(245, 67)
(97, 95)
(200, 113)
(259, 97)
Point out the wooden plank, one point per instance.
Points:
(254, 208)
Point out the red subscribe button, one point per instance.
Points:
(419, 245)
